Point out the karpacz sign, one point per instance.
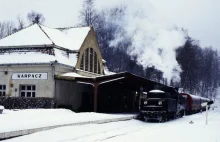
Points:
(29, 76)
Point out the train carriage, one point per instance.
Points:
(193, 103)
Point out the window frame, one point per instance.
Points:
(90, 62)
(2, 90)
(87, 59)
(25, 91)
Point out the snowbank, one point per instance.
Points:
(2, 107)
(36, 118)
(179, 130)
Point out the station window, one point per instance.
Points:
(27, 90)
(87, 60)
(2, 90)
(82, 63)
(95, 63)
(90, 61)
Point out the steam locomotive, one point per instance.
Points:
(161, 106)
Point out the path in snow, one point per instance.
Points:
(38, 118)
(134, 130)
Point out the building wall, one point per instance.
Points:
(60, 69)
(44, 87)
(69, 94)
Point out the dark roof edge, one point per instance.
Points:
(40, 46)
(43, 63)
(45, 34)
(25, 46)
(67, 28)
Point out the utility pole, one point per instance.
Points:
(206, 105)
(206, 122)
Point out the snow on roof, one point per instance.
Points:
(25, 57)
(38, 57)
(71, 74)
(31, 35)
(103, 61)
(71, 38)
(205, 98)
(77, 36)
(194, 96)
(156, 91)
(107, 72)
(61, 58)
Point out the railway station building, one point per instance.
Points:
(66, 64)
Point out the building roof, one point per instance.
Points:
(39, 35)
(38, 58)
(129, 79)
(66, 39)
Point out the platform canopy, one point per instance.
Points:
(128, 79)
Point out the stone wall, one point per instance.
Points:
(27, 103)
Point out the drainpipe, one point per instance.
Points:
(53, 64)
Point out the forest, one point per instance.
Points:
(199, 67)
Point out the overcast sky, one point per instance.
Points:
(200, 17)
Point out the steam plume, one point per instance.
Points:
(154, 39)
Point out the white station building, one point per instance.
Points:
(31, 58)
(65, 66)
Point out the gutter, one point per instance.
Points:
(25, 64)
(39, 46)
(25, 46)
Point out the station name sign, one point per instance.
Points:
(29, 76)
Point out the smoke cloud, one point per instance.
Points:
(154, 39)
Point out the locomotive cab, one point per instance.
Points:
(157, 104)
(161, 106)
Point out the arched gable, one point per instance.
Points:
(90, 58)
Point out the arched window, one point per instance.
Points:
(95, 62)
(87, 60)
(90, 62)
(82, 63)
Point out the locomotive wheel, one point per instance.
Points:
(164, 119)
(141, 117)
(145, 119)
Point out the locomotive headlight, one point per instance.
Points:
(160, 103)
(145, 102)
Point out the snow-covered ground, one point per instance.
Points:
(179, 130)
(36, 118)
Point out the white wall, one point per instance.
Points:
(44, 88)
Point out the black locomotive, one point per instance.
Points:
(161, 105)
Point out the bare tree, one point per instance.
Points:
(21, 23)
(7, 28)
(88, 14)
(34, 17)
